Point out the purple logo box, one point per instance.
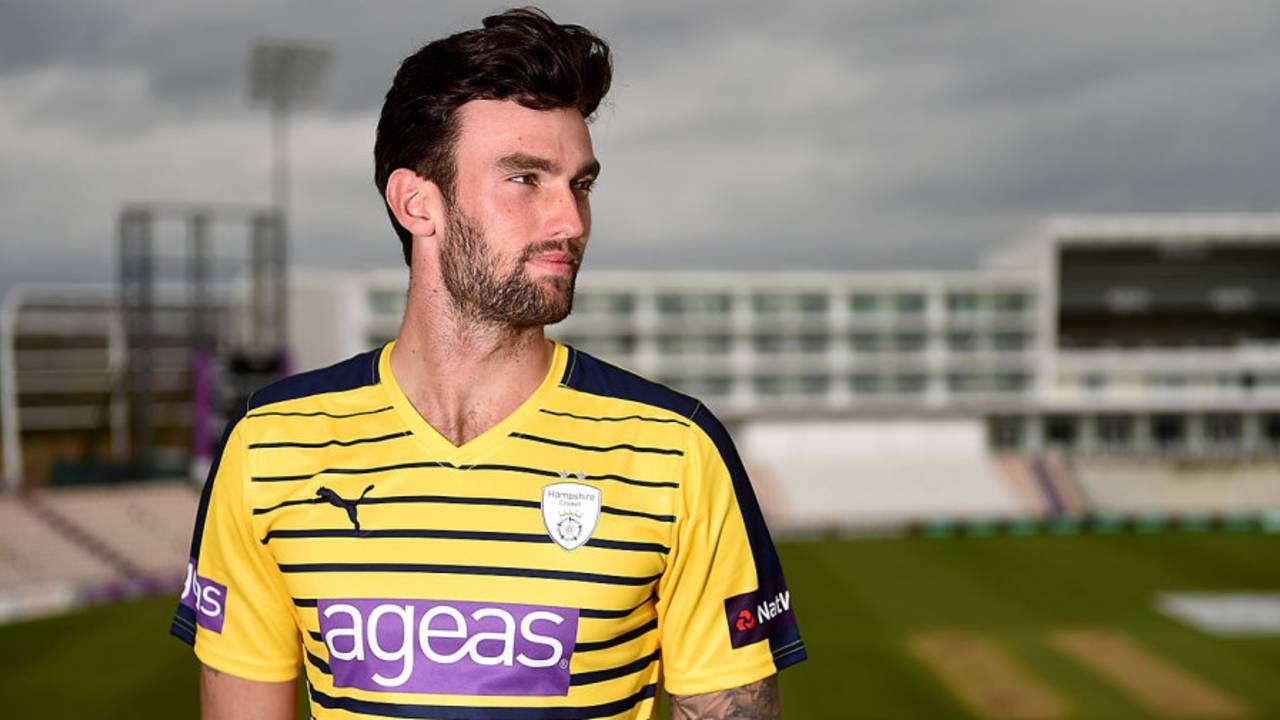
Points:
(207, 598)
(757, 615)
(449, 647)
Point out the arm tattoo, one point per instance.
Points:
(757, 701)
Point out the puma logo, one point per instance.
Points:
(334, 498)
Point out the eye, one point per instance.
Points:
(585, 185)
(526, 179)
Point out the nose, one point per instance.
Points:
(568, 214)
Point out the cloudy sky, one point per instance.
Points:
(739, 135)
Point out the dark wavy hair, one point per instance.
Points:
(521, 55)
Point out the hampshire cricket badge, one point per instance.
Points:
(570, 511)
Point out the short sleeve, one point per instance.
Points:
(235, 609)
(725, 615)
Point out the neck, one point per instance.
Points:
(461, 374)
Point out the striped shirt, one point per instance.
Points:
(548, 568)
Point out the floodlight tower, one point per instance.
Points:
(284, 76)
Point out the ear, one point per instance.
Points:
(416, 202)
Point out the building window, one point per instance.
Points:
(1271, 429)
(778, 385)
(1114, 431)
(1168, 431)
(713, 386)
(1011, 382)
(813, 303)
(864, 302)
(814, 384)
(804, 303)
(910, 384)
(1223, 429)
(909, 342)
(766, 304)
(767, 344)
(813, 342)
(770, 385)
(1005, 432)
(604, 303)
(1009, 302)
(1060, 430)
(693, 344)
(909, 302)
(1011, 341)
(680, 304)
(865, 342)
(962, 341)
(772, 343)
(962, 301)
(865, 383)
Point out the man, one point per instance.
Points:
(475, 521)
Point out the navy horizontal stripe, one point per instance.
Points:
(595, 613)
(613, 614)
(596, 448)
(456, 500)
(583, 476)
(463, 712)
(315, 635)
(587, 678)
(183, 626)
(327, 443)
(395, 499)
(789, 655)
(641, 418)
(352, 471)
(450, 466)
(319, 664)
(624, 637)
(321, 413)
(418, 533)
(468, 570)
(636, 513)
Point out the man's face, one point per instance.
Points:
(521, 214)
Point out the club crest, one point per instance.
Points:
(570, 511)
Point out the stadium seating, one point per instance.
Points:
(877, 474)
(146, 527)
(34, 553)
(1143, 485)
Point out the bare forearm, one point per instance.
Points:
(757, 701)
(226, 697)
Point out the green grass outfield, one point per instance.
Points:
(858, 601)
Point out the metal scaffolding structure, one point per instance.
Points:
(266, 311)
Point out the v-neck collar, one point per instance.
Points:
(440, 447)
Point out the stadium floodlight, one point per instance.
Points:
(285, 76)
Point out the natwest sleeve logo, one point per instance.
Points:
(449, 647)
(757, 615)
(207, 598)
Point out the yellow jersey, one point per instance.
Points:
(551, 567)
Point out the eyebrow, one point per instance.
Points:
(519, 162)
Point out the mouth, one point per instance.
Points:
(558, 261)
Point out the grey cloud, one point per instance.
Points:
(894, 133)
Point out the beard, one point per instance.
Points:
(471, 272)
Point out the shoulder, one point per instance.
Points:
(588, 374)
(321, 387)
